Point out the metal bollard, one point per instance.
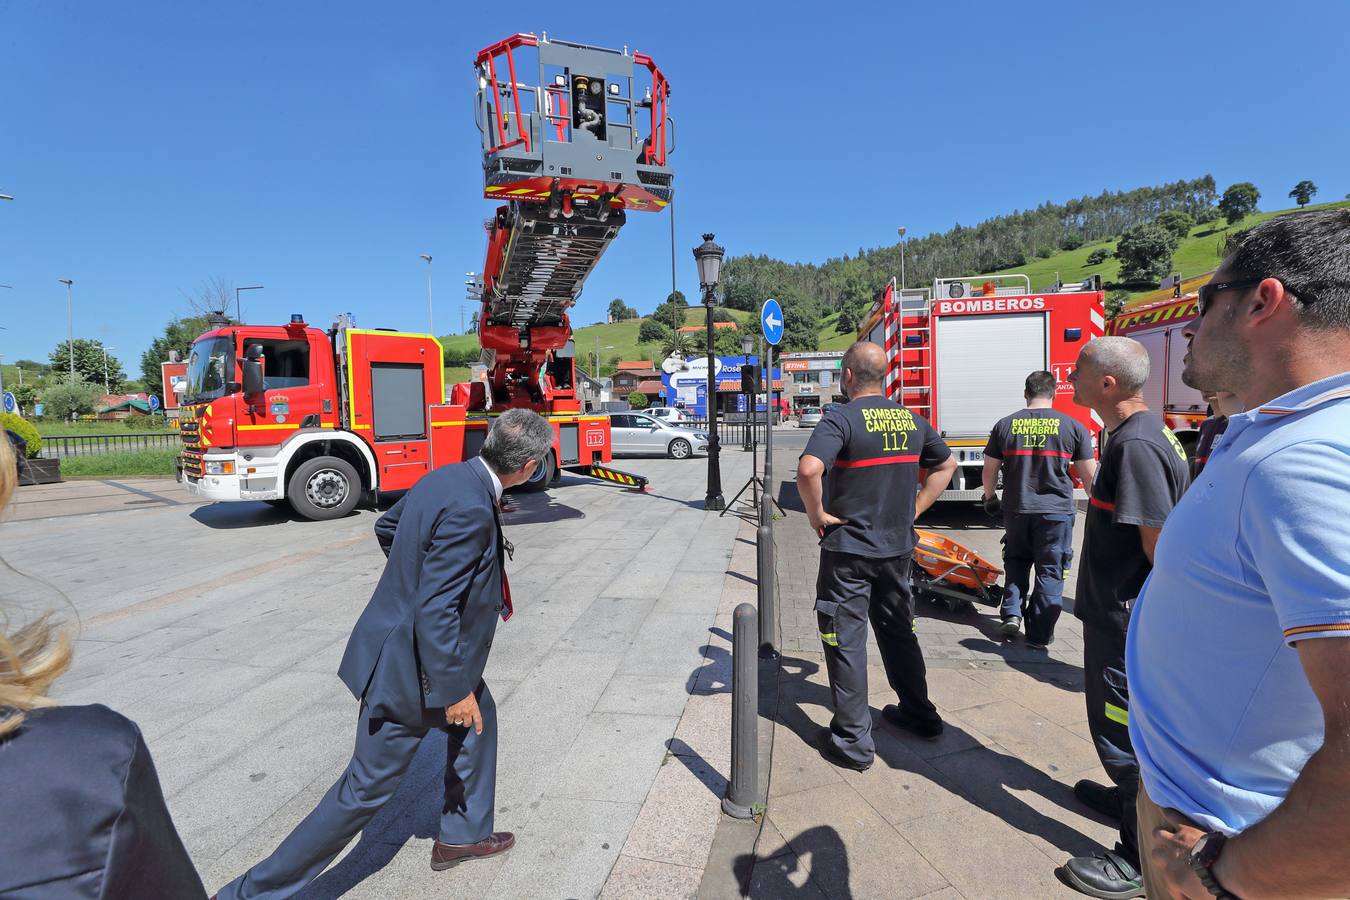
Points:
(744, 783)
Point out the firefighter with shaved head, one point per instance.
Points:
(860, 480)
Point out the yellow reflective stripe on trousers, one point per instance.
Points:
(1116, 714)
(830, 638)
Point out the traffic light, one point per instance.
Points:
(749, 379)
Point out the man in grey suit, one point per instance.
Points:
(415, 661)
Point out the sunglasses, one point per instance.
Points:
(1205, 296)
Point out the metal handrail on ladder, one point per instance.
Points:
(921, 308)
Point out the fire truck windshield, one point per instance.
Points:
(209, 370)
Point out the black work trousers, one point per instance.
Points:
(1040, 543)
(850, 589)
(1108, 713)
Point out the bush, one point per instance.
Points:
(24, 429)
(652, 332)
(1206, 215)
(1176, 221)
(66, 397)
(637, 400)
(1098, 256)
(152, 422)
(1071, 242)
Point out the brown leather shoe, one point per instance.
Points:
(447, 856)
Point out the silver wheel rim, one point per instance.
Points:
(679, 449)
(326, 489)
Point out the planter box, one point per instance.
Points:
(40, 471)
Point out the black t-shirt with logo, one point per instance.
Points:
(873, 449)
(1036, 447)
(1142, 475)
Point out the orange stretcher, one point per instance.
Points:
(945, 571)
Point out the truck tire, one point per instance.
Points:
(325, 487)
(544, 476)
(680, 449)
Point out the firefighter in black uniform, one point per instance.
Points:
(1141, 476)
(1035, 448)
(873, 449)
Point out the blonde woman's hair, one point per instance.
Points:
(35, 655)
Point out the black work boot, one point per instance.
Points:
(1107, 874)
(1099, 798)
(1010, 626)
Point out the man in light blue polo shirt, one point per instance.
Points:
(1238, 669)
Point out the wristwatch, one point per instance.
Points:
(1204, 855)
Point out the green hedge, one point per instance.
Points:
(24, 429)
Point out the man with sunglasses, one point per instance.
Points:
(1238, 668)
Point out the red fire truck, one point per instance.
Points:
(1159, 326)
(959, 354)
(291, 414)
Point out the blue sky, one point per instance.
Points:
(318, 148)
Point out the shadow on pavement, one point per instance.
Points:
(533, 509)
(413, 812)
(988, 777)
(771, 877)
(248, 514)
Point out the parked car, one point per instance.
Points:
(636, 433)
(809, 418)
(667, 413)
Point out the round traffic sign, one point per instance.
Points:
(154, 403)
(10, 403)
(771, 321)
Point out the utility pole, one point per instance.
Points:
(901, 231)
(106, 388)
(70, 326)
(431, 327)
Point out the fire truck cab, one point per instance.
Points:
(959, 354)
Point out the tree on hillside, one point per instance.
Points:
(1177, 221)
(652, 331)
(178, 335)
(1239, 201)
(673, 312)
(25, 395)
(1303, 192)
(33, 367)
(1115, 302)
(801, 326)
(90, 359)
(620, 311)
(1145, 254)
(1099, 256)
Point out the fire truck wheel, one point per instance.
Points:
(680, 449)
(324, 488)
(544, 475)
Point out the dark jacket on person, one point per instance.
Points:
(83, 813)
(423, 640)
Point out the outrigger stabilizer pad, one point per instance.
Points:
(635, 482)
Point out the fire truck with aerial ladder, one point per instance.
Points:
(291, 414)
(958, 354)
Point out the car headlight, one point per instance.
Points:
(219, 467)
(700, 435)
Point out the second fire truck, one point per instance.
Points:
(959, 354)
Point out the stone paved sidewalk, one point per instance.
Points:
(985, 811)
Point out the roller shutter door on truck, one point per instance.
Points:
(1181, 397)
(1155, 392)
(982, 367)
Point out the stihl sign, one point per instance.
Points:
(977, 305)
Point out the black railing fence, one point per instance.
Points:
(62, 446)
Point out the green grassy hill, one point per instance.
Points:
(1197, 254)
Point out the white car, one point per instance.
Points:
(637, 434)
(667, 413)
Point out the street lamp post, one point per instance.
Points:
(238, 311)
(70, 327)
(748, 345)
(708, 256)
(901, 232)
(431, 325)
(107, 389)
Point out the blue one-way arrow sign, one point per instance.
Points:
(771, 321)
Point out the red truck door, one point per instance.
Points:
(394, 378)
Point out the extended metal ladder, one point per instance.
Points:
(916, 380)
